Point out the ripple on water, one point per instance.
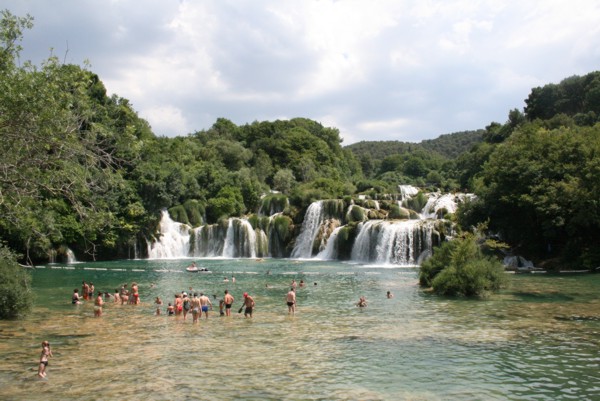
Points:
(413, 347)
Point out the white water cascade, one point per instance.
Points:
(404, 242)
(70, 256)
(235, 246)
(174, 241)
(393, 242)
(308, 233)
(330, 251)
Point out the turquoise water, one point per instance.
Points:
(537, 340)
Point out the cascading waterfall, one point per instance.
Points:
(330, 251)
(240, 241)
(310, 228)
(174, 241)
(70, 256)
(392, 242)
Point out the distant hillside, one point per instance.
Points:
(453, 145)
(449, 146)
(379, 150)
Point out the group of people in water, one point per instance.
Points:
(183, 303)
(124, 295)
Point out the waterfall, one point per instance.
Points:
(174, 241)
(240, 241)
(392, 242)
(439, 204)
(235, 240)
(70, 256)
(310, 227)
(407, 191)
(382, 241)
(330, 251)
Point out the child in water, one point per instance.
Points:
(46, 353)
(158, 303)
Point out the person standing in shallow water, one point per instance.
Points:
(98, 305)
(228, 299)
(75, 299)
(205, 303)
(249, 304)
(291, 301)
(46, 354)
(85, 289)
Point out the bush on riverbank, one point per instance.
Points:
(458, 268)
(15, 291)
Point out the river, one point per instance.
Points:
(536, 340)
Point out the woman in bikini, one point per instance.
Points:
(178, 305)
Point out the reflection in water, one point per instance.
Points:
(412, 347)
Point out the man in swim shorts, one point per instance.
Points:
(291, 301)
(249, 304)
(228, 299)
(205, 303)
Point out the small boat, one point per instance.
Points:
(196, 269)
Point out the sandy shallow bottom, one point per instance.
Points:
(536, 340)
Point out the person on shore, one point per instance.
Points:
(98, 305)
(205, 303)
(158, 302)
(291, 301)
(389, 295)
(362, 302)
(196, 308)
(75, 299)
(85, 289)
(228, 299)
(46, 354)
(186, 303)
(249, 304)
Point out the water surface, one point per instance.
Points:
(537, 340)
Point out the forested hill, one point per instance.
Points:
(82, 171)
(454, 145)
(449, 145)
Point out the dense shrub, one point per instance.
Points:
(459, 268)
(15, 291)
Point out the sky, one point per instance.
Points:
(377, 70)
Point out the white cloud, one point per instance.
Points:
(166, 120)
(379, 70)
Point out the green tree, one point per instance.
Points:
(461, 269)
(284, 181)
(15, 291)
